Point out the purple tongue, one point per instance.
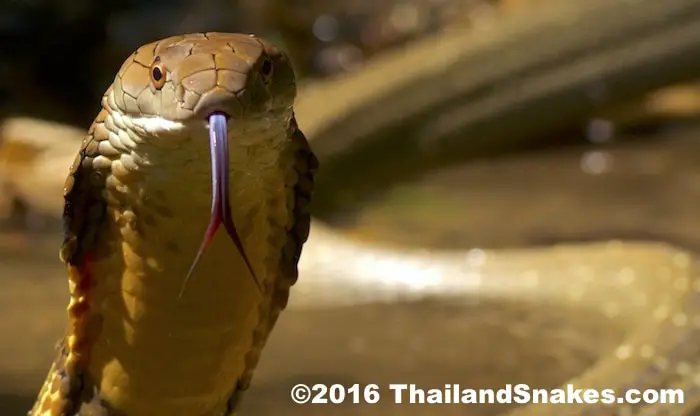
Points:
(220, 203)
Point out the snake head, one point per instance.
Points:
(180, 89)
(188, 77)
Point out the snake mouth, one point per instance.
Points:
(220, 200)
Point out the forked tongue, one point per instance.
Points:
(220, 201)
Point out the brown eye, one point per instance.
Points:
(266, 69)
(158, 74)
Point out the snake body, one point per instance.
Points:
(164, 371)
(138, 185)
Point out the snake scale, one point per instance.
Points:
(138, 206)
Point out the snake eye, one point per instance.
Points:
(266, 69)
(158, 74)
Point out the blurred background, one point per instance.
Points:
(617, 159)
(323, 38)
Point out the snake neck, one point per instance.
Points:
(155, 352)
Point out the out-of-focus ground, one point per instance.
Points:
(588, 190)
(609, 186)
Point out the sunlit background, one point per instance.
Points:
(581, 146)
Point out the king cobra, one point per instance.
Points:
(167, 317)
(137, 184)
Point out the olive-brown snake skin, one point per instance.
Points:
(661, 287)
(138, 187)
